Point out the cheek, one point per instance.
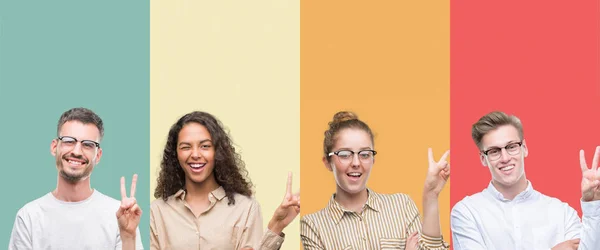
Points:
(339, 169)
(210, 156)
(182, 156)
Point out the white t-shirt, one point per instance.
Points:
(48, 223)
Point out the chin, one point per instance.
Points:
(354, 190)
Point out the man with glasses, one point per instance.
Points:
(75, 216)
(509, 213)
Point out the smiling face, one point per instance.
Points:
(75, 160)
(505, 157)
(351, 173)
(196, 153)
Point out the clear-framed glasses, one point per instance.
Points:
(495, 153)
(70, 142)
(346, 156)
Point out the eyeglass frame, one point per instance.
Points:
(60, 138)
(485, 152)
(353, 153)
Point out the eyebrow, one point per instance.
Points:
(364, 148)
(189, 143)
(508, 143)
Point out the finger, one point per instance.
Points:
(582, 162)
(288, 189)
(120, 212)
(443, 159)
(576, 241)
(430, 155)
(123, 191)
(135, 209)
(133, 184)
(596, 158)
(287, 204)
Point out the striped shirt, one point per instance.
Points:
(385, 222)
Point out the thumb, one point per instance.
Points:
(120, 212)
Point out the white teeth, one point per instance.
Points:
(74, 162)
(196, 165)
(507, 168)
(355, 174)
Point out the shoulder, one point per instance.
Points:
(241, 200)
(35, 206)
(393, 198)
(470, 201)
(552, 202)
(105, 199)
(159, 202)
(318, 215)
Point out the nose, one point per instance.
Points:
(504, 156)
(196, 153)
(77, 149)
(355, 160)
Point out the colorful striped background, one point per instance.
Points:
(274, 72)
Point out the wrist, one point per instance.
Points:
(275, 227)
(430, 195)
(127, 236)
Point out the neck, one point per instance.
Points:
(72, 191)
(354, 202)
(510, 192)
(199, 191)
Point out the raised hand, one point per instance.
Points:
(129, 212)
(287, 211)
(590, 181)
(437, 174)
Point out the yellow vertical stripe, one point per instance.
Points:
(240, 62)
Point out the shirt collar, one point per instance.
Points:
(528, 192)
(336, 211)
(218, 193)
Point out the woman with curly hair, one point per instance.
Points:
(204, 199)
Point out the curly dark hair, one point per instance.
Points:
(229, 169)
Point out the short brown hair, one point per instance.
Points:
(82, 115)
(342, 120)
(492, 121)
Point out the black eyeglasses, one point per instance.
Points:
(72, 141)
(346, 155)
(494, 153)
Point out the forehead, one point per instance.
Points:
(353, 138)
(500, 136)
(194, 132)
(80, 131)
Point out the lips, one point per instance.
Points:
(197, 167)
(75, 162)
(354, 176)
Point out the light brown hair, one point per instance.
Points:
(492, 121)
(342, 120)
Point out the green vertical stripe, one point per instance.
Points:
(55, 55)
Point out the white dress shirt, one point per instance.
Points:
(530, 221)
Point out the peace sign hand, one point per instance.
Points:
(129, 212)
(590, 181)
(287, 211)
(437, 174)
